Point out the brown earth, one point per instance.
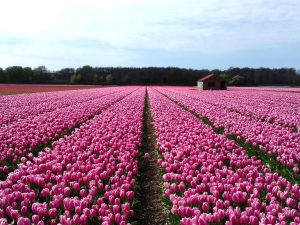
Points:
(151, 209)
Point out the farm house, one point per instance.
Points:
(211, 82)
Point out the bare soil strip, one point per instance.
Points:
(149, 206)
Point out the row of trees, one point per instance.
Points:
(149, 75)
(18, 74)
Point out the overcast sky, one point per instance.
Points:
(184, 33)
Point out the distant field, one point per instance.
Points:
(12, 89)
(268, 88)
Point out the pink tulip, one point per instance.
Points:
(67, 191)
(35, 219)
(130, 195)
(23, 221)
(52, 213)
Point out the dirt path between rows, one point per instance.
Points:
(151, 209)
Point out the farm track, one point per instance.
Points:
(149, 206)
(269, 161)
(12, 166)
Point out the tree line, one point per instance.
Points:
(150, 75)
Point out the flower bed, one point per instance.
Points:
(278, 141)
(87, 177)
(19, 139)
(209, 179)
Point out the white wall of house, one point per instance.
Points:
(200, 85)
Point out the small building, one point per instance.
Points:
(211, 82)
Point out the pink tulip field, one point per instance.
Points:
(19, 138)
(277, 139)
(12, 89)
(73, 157)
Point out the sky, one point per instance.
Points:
(140, 33)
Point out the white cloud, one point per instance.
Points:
(42, 29)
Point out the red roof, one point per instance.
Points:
(207, 77)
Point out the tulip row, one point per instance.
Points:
(276, 140)
(22, 100)
(13, 89)
(293, 89)
(86, 178)
(209, 179)
(275, 107)
(20, 140)
(16, 107)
